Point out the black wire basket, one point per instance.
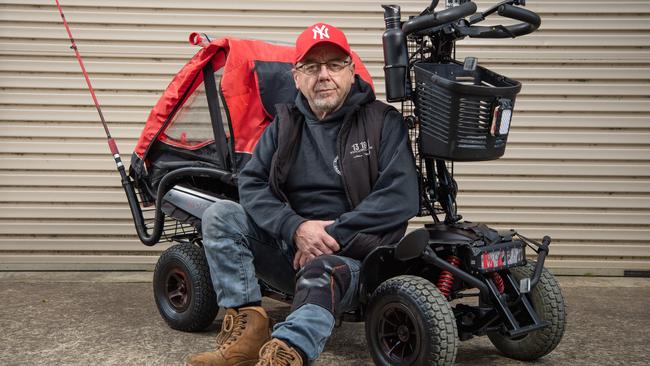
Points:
(464, 115)
(173, 228)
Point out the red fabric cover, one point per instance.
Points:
(238, 85)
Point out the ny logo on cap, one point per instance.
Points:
(321, 32)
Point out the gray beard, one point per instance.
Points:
(325, 105)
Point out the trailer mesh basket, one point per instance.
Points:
(464, 115)
(173, 229)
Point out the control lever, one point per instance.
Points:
(505, 30)
(478, 17)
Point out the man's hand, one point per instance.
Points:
(311, 241)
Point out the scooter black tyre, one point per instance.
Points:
(548, 301)
(409, 322)
(183, 289)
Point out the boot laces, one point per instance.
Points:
(231, 329)
(275, 354)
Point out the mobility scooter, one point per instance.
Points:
(443, 283)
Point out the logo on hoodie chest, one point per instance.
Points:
(356, 150)
(360, 149)
(335, 164)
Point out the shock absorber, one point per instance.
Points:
(446, 278)
(498, 281)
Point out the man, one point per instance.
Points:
(330, 179)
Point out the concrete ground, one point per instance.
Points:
(98, 318)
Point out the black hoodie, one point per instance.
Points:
(314, 186)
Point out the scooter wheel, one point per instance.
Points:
(183, 290)
(548, 302)
(409, 322)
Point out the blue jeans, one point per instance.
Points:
(238, 251)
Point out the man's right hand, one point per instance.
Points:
(312, 240)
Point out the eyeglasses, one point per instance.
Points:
(333, 66)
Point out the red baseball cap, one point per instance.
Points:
(317, 34)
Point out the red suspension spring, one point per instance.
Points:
(446, 278)
(498, 281)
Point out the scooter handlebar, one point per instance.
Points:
(521, 14)
(434, 19)
(531, 21)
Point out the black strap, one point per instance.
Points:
(220, 139)
(289, 123)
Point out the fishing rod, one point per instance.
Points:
(111, 141)
(136, 211)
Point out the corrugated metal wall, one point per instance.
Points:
(577, 165)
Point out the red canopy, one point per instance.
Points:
(239, 87)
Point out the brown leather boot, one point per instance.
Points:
(242, 335)
(277, 353)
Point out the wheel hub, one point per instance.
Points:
(403, 333)
(399, 334)
(176, 289)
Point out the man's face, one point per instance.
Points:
(326, 89)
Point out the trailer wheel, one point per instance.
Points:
(183, 290)
(409, 322)
(548, 302)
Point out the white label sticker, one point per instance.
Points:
(504, 127)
